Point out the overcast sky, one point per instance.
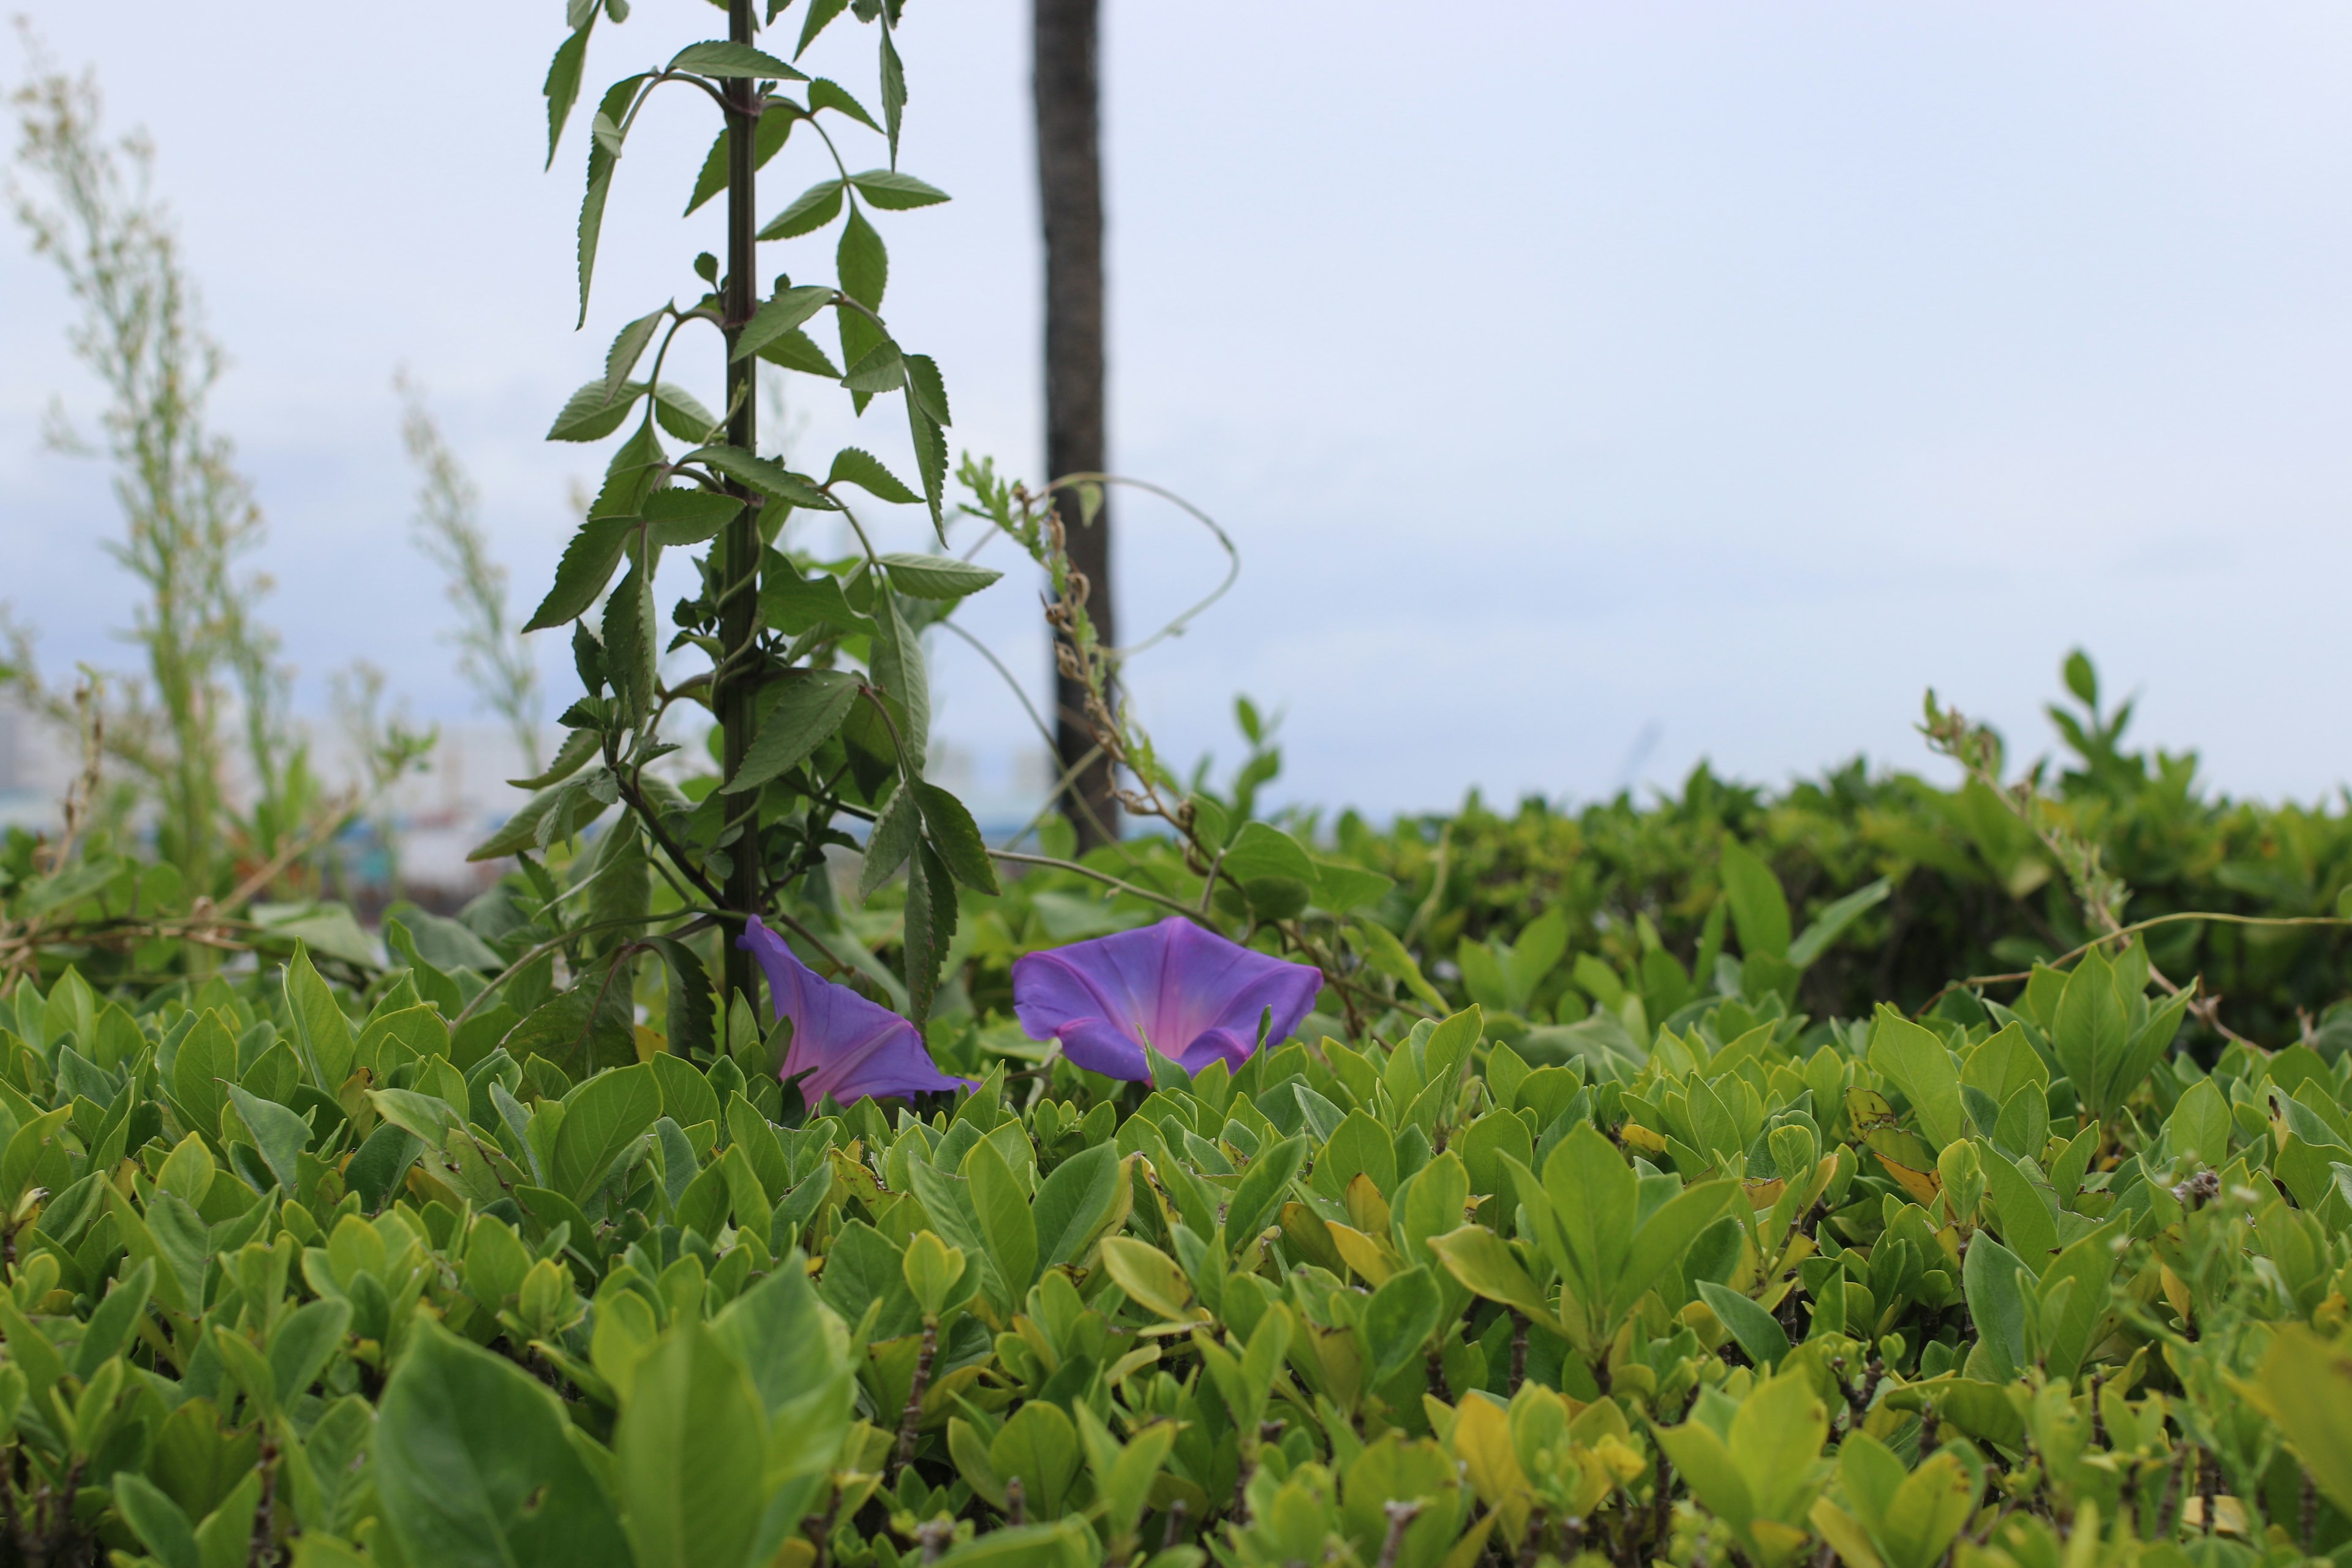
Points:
(1567, 374)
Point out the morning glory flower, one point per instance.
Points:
(1184, 991)
(849, 1048)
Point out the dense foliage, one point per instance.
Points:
(293, 1270)
(1581, 1195)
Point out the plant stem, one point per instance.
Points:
(739, 544)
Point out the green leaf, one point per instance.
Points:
(862, 261)
(682, 414)
(935, 576)
(601, 160)
(1758, 1332)
(628, 347)
(581, 575)
(776, 123)
(601, 1119)
(879, 369)
(765, 475)
(721, 59)
(956, 838)
(1341, 888)
(473, 1468)
(161, 1524)
(2304, 1384)
(637, 466)
(1759, 908)
(633, 638)
(1818, 936)
(853, 467)
(930, 928)
(304, 1343)
(785, 313)
(1912, 1058)
(824, 93)
(894, 89)
(561, 89)
(1260, 1193)
(558, 813)
(114, 1319)
(1150, 1277)
(1074, 1203)
(1666, 1236)
(896, 832)
(797, 350)
(690, 1443)
(687, 516)
(1397, 1321)
(1485, 1265)
(809, 211)
(596, 410)
(897, 666)
(691, 1024)
(322, 1036)
(1261, 849)
(278, 1132)
(894, 191)
(807, 708)
(1002, 1212)
(820, 12)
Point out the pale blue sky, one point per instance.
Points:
(1562, 370)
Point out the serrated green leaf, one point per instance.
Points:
(956, 838)
(895, 830)
(780, 315)
(601, 160)
(561, 88)
(937, 576)
(809, 211)
(596, 410)
(894, 191)
(797, 350)
(776, 123)
(820, 12)
(930, 928)
(687, 516)
(854, 466)
(719, 57)
(682, 414)
(765, 475)
(862, 261)
(628, 347)
(825, 93)
(807, 706)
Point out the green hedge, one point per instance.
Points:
(293, 1272)
(1973, 892)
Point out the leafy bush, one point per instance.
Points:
(1972, 888)
(296, 1271)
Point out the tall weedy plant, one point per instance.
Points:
(491, 656)
(213, 679)
(812, 672)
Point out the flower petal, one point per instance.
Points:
(1191, 994)
(849, 1048)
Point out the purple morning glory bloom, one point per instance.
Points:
(849, 1048)
(1187, 991)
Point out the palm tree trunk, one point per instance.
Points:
(1069, 182)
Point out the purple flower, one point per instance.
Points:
(1188, 993)
(848, 1048)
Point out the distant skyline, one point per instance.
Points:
(1568, 374)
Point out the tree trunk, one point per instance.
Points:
(1069, 183)
(738, 604)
